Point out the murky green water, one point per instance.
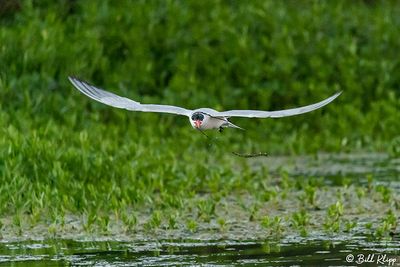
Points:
(358, 248)
(286, 252)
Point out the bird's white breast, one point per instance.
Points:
(212, 123)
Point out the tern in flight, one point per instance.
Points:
(200, 119)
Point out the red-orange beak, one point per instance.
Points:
(197, 123)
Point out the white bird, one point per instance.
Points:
(202, 118)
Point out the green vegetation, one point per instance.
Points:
(63, 155)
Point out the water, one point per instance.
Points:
(318, 248)
(286, 252)
(331, 166)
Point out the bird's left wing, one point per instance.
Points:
(277, 113)
(123, 102)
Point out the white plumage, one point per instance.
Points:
(202, 118)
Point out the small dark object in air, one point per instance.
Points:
(250, 155)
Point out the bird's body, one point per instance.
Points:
(208, 123)
(202, 118)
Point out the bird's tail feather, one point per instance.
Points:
(230, 124)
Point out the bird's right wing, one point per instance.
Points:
(123, 102)
(276, 113)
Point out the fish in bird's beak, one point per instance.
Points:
(197, 123)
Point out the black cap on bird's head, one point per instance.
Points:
(197, 118)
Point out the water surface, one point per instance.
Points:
(245, 242)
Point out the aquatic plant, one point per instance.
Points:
(206, 209)
(130, 220)
(360, 191)
(155, 220)
(89, 218)
(300, 218)
(388, 225)
(63, 157)
(385, 193)
(172, 221)
(333, 218)
(266, 221)
(349, 225)
(222, 224)
(394, 147)
(191, 225)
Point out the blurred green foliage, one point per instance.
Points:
(60, 150)
(219, 54)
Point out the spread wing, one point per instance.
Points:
(277, 113)
(123, 102)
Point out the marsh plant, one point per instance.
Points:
(308, 196)
(155, 220)
(206, 209)
(129, 220)
(191, 225)
(349, 225)
(387, 226)
(173, 221)
(300, 221)
(333, 217)
(64, 158)
(385, 192)
(222, 224)
(273, 225)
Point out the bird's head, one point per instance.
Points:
(198, 119)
